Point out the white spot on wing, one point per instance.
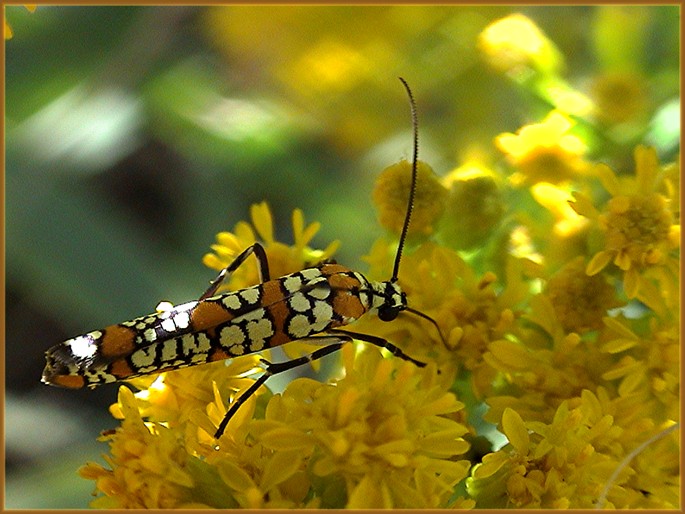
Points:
(185, 307)
(231, 301)
(250, 295)
(258, 332)
(84, 347)
(231, 335)
(299, 326)
(310, 273)
(169, 325)
(256, 314)
(321, 292)
(195, 344)
(143, 357)
(299, 303)
(292, 284)
(323, 314)
(182, 320)
(169, 353)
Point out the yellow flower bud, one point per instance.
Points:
(391, 197)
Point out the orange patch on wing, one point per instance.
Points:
(276, 305)
(333, 269)
(68, 381)
(340, 282)
(120, 369)
(207, 315)
(279, 338)
(117, 341)
(219, 355)
(271, 293)
(348, 305)
(344, 303)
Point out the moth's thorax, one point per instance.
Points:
(387, 295)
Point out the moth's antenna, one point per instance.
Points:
(412, 191)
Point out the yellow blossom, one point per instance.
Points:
(329, 65)
(568, 222)
(568, 235)
(282, 259)
(550, 309)
(638, 224)
(467, 309)
(566, 463)
(542, 365)
(619, 97)
(580, 301)
(647, 368)
(385, 423)
(474, 207)
(391, 196)
(544, 152)
(515, 44)
(149, 466)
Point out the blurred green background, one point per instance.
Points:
(135, 134)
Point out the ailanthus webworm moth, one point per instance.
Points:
(309, 304)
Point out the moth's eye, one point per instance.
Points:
(388, 313)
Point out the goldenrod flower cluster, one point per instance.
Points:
(553, 364)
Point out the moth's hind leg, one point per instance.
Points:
(281, 367)
(263, 262)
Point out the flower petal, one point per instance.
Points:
(598, 262)
(515, 430)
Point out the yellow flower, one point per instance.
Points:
(580, 301)
(568, 223)
(175, 397)
(568, 236)
(149, 466)
(541, 365)
(474, 207)
(565, 463)
(467, 308)
(544, 152)
(391, 196)
(638, 223)
(647, 367)
(386, 434)
(282, 259)
(619, 97)
(169, 461)
(379, 437)
(514, 44)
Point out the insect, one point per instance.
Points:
(310, 304)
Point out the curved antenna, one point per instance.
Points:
(412, 191)
(435, 323)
